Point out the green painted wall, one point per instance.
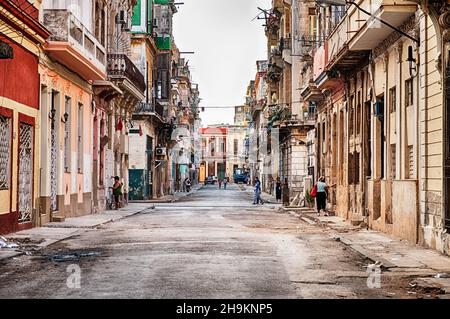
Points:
(136, 20)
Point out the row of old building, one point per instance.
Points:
(357, 92)
(89, 89)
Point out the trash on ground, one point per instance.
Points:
(5, 244)
(72, 256)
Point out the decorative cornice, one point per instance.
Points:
(410, 25)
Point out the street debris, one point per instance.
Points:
(5, 244)
(71, 256)
(442, 275)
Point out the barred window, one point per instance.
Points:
(393, 161)
(5, 151)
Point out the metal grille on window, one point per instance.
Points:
(393, 161)
(25, 172)
(5, 151)
(410, 161)
(53, 154)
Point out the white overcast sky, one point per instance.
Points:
(226, 44)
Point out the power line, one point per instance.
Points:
(236, 106)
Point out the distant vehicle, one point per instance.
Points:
(240, 176)
(210, 180)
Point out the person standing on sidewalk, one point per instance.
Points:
(278, 189)
(257, 194)
(117, 191)
(322, 195)
(225, 181)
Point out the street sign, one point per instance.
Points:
(6, 51)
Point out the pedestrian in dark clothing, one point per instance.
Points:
(322, 195)
(286, 199)
(225, 182)
(278, 189)
(117, 191)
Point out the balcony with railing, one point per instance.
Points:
(123, 71)
(144, 109)
(309, 118)
(339, 55)
(367, 31)
(275, 66)
(362, 29)
(73, 45)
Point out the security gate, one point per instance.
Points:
(25, 172)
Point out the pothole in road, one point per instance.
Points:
(71, 255)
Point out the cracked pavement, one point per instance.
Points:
(211, 244)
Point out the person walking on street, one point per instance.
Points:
(257, 194)
(225, 181)
(220, 183)
(117, 191)
(322, 195)
(278, 189)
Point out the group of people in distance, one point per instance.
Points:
(319, 192)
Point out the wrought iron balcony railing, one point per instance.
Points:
(120, 66)
(150, 109)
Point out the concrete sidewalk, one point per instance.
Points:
(431, 269)
(41, 237)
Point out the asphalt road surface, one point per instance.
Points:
(211, 244)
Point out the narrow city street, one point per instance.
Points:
(211, 244)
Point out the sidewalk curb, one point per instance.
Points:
(359, 249)
(76, 233)
(312, 220)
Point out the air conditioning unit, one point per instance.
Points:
(161, 151)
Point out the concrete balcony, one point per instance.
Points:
(340, 57)
(322, 78)
(351, 41)
(275, 67)
(311, 92)
(123, 73)
(320, 60)
(72, 45)
(366, 31)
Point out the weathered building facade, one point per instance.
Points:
(149, 117)
(380, 133)
(20, 114)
